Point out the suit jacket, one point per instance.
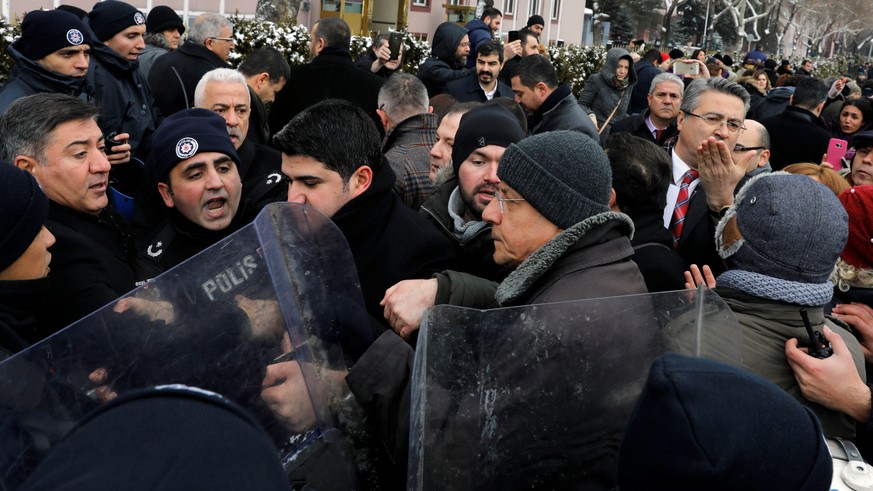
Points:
(468, 89)
(331, 75)
(636, 125)
(697, 242)
(796, 135)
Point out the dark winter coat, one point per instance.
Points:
(645, 71)
(124, 97)
(442, 67)
(259, 131)
(560, 111)
(476, 256)
(389, 241)
(797, 135)
(331, 75)
(28, 78)
(479, 33)
(19, 301)
(175, 75)
(468, 89)
(660, 265)
(635, 124)
(600, 97)
(775, 102)
(156, 45)
(91, 265)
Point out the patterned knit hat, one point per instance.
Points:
(565, 175)
(781, 239)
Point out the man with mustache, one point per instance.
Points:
(483, 85)
(55, 137)
(195, 168)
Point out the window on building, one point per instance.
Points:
(420, 3)
(556, 9)
(508, 7)
(533, 7)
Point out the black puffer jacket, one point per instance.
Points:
(442, 67)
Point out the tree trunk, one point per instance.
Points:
(666, 30)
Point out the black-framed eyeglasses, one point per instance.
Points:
(501, 200)
(733, 125)
(741, 148)
(229, 40)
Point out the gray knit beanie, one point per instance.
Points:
(564, 175)
(781, 239)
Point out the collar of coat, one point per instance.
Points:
(543, 259)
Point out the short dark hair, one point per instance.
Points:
(491, 12)
(534, 69)
(28, 122)
(809, 92)
(514, 108)
(490, 48)
(269, 60)
(641, 174)
(652, 55)
(334, 31)
(524, 34)
(336, 133)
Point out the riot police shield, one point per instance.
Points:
(267, 318)
(536, 397)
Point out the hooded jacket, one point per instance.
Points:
(442, 67)
(30, 78)
(600, 97)
(479, 33)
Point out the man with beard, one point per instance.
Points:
(658, 122)
(195, 167)
(484, 84)
(448, 58)
(331, 74)
(441, 152)
(482, 30)
(456, 207)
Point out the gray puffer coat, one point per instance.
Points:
(600, 96)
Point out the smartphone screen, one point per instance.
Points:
(836, 151)
(512, 36)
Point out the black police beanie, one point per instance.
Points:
(483, 126)
(185, 134)
(73, 10)
(25, 208)
(536, 20)
(110, 17)
(565, 175)
(700, 424)
(45, 31)
(162, 18)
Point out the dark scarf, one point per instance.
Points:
(560, 93)
(620, 83)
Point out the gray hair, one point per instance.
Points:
(667, 77)
(221, 75)
(693, 91)
(28, 123)
(403, 96)
(207, 26)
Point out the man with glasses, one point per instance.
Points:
(757, 139)
(210, 41)
(448, 58)
(705, 174)
(798, 133)
(658, 122)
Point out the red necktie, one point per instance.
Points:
(681, 208)
(658, 134)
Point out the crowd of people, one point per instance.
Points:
(480, 182)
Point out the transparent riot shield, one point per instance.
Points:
(536, 397)
(267, 318)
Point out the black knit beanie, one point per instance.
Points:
(45, 31)
(110, 17)
(24, 207)
(700, 424)
(162, 18)
(565, 175)
(185, 134)
(483, 126)
(536, 20)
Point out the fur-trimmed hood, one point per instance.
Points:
(543, 259)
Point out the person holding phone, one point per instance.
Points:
(378, 58)
(855, 115)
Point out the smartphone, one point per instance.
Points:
(512, 36)
(394, 42)
(681, 68)
(836, 151)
